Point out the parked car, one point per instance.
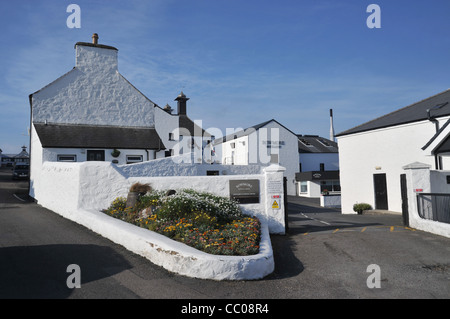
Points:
(21, 171)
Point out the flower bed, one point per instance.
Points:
(207, 222)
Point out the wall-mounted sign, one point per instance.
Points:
(276, 204)
(274, 144)
(245, 191)
(274, 186)
(418, 190)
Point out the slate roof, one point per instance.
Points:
(316, 144)
(184, 122)
(409, 114)
(248, 131)
(91, 136)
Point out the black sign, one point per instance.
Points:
(245, 191)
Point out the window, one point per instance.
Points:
(304, 187)
(233, 145)
(134, 159)
(305, 142)
(95, 155)
(171, 137)
(322, 167)
(67, 158)
(323, 142)
(330, 186)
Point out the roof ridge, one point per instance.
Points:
(393, 112)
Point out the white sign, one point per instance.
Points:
(274, 186)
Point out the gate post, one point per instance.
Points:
(417, 181)
(274, 198)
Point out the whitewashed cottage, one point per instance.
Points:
(92, 113)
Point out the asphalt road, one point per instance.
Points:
(325, 255)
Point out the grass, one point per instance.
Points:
(210, 223)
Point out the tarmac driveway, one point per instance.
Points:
(324, 255)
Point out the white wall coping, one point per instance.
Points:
(175, 256)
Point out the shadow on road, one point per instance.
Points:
(40, 272)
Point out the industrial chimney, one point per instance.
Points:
(331, 127)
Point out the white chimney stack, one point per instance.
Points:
(331, 126)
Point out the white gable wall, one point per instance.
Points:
(94, 92)
(253, 149)
(387, 150)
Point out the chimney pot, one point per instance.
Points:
(95, 38)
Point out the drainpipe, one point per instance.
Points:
(437, 158)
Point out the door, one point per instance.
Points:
(95, 155)
(404, 192)
(381, 200)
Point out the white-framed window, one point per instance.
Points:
(134, 159)
(67, 158)
(330, 186)
(303, 187)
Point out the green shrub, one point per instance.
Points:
(360, 207)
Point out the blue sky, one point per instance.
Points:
(240, 62)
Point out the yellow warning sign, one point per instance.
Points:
(275, 205)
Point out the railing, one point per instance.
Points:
(434, 206)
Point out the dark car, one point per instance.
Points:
(21, 171)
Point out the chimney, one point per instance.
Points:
(168, 108)
(95, 38)
(181, 99)
(331, 127)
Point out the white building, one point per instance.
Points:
(93, 113)
(372, 155)
(264, 144)
(319, 166)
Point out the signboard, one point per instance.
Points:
(274, 186)
(276, 204)
(245, 191)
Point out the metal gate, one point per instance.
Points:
(404, 192)
(434, 206)
(285, 197)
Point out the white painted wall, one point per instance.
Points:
(419, 176)
(51, 154)
(94, 185)
(94, 92)
(77, 191)
(165, 123)
(184, 166)
(380, 151)
(252, 148)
